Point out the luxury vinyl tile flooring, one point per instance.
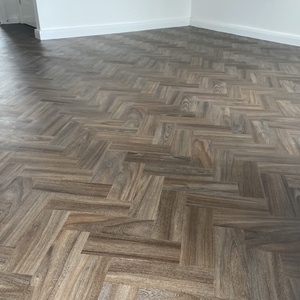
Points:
(158, 165)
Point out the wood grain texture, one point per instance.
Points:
(159, 165)
(111, 291)
(139, 248)
(231, 264)
(169, 222)
(198, 238)
(60, 261)
(179, 279)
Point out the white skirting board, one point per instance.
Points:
(58, 33)
(257, 33)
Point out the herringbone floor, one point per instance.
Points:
(151, 165)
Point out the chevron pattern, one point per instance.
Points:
(151, 165)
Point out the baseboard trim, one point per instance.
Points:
(257, 33)
(58, 33)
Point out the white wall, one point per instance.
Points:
(76, 17)
(274, 20)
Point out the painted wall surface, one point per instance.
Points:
(78, 13)
(72, 18)
(273, 17)
(274, 20)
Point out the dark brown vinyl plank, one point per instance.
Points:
(72, 187)
(193, 282)
(132, 247)
(161, 164)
